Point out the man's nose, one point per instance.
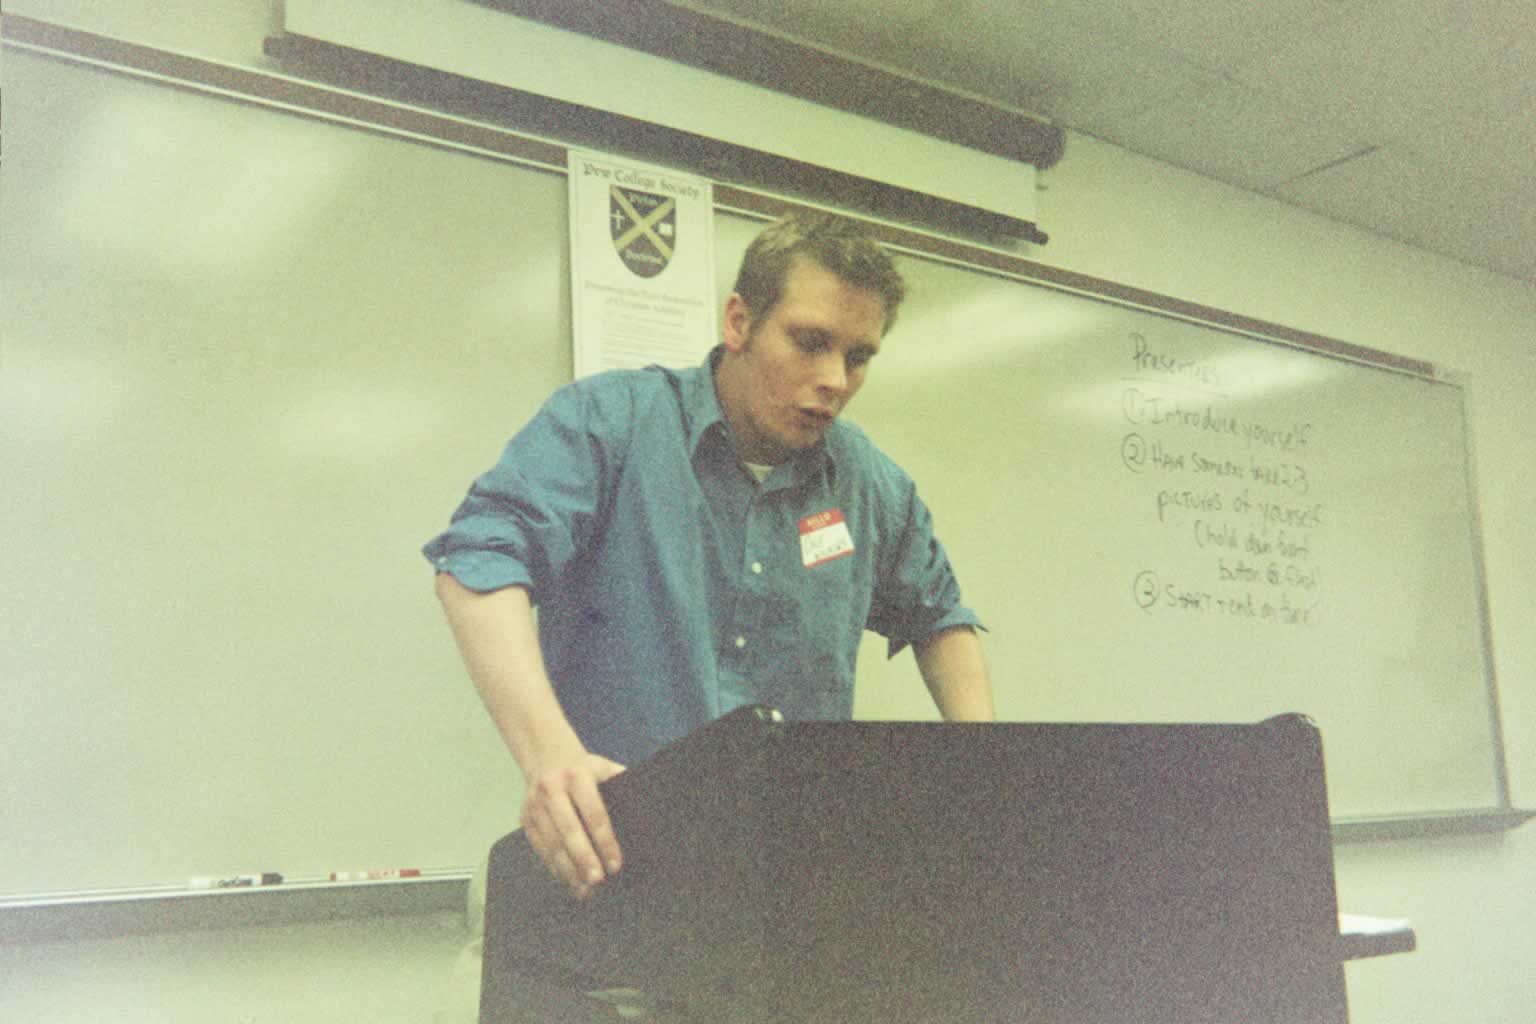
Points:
(832, 373)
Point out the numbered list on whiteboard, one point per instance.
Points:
(1231, 488)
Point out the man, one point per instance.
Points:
(700, 540)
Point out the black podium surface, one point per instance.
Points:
(925, 872)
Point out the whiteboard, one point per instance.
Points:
(251, 361)
(1166, 521)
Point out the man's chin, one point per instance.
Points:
(806, 438)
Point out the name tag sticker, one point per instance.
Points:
(823, 537)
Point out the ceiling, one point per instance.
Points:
(1413, 119)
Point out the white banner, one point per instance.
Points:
(642, 265)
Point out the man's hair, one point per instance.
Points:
(840, 245)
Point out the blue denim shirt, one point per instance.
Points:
(671, 586)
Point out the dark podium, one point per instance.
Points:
(840, 873)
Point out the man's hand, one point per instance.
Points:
(567, 823)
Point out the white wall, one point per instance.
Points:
(385, 969)
(1113, 215)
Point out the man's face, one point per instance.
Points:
(802, 363)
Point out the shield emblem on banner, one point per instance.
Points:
(644, 229)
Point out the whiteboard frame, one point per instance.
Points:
(360, 111)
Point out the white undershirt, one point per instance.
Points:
(761, 472)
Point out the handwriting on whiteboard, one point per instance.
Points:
(1232, 491)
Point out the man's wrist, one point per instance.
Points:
(544, 749)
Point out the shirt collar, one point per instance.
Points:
(700, 403)
(706, 418)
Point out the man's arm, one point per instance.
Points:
(563, 813)
(952, 665)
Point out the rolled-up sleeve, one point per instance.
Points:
(525, 519)
(917, 594)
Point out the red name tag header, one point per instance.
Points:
(820, 521)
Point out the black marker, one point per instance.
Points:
(237, 881)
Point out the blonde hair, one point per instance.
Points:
(840, 245)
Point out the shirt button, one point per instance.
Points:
(757, 568)
(741, 642)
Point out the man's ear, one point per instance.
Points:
(737, 324)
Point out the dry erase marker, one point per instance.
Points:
(237, 881)
(375, 876)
